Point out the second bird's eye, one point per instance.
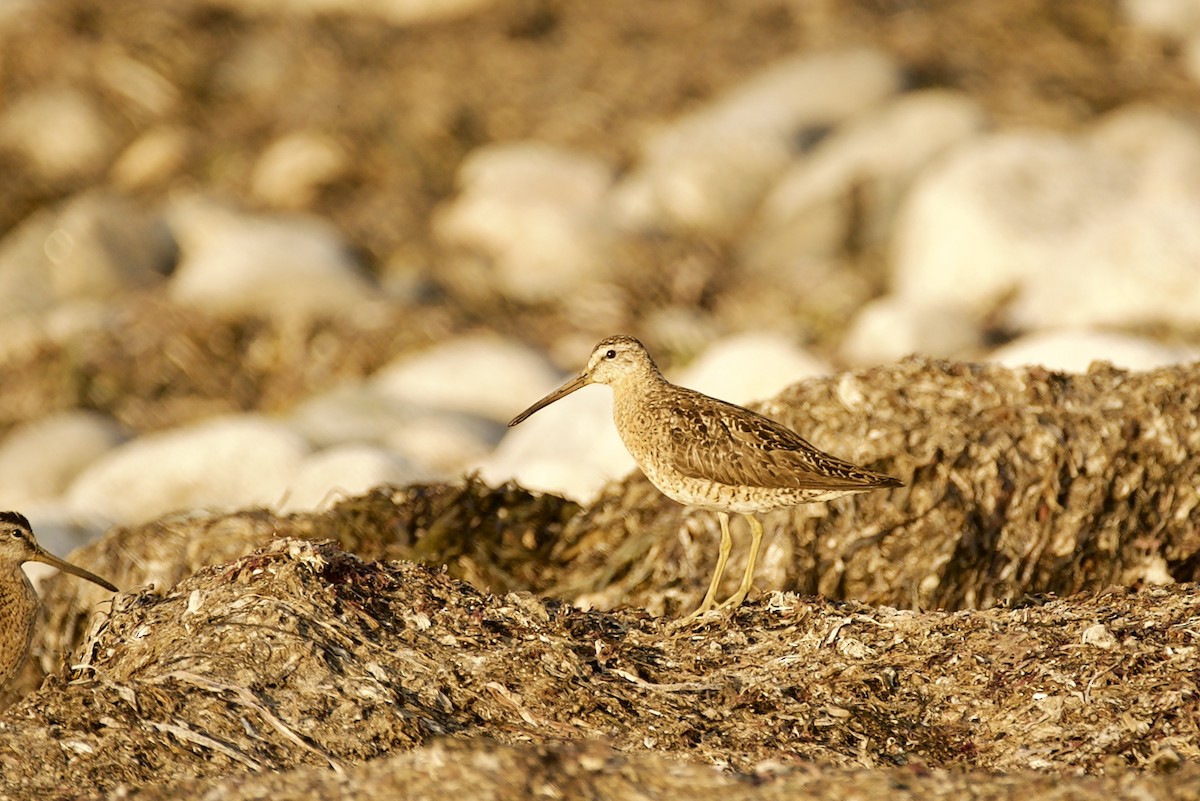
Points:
(612, 354)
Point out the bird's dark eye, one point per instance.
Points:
(612, 354)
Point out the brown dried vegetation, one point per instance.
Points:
(279, 670)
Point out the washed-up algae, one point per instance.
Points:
(303, 655)
(1022, 485)
(1018, 481)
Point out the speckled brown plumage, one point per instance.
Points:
(18, 601)
(710, 454)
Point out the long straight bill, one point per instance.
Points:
(67, 567)
(566, 389)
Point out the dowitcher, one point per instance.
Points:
(709, 454)
(18, 601)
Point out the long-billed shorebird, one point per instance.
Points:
(18, 601)
(710, 454)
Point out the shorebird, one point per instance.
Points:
(18, 601)
(709, 454)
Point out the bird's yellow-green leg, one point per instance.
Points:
(722, 558)
(756, 534)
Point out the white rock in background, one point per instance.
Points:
(328, 476)
(1068, 228)
(993, 213)
(440, 443)
(852, 182)
(1163, 148)
(1177, 21)
(95, 246)
(288, 266)
(1074, 350)
(481, 374)
(223, 463)
(398, 12)
(40, 459)
(1171, 18)
(60, 132)
(294, 167)
(533, 215)
(153, 159)
(751, 367)
(1141, 267)
(890, 328)
(710, 169)
(570, 447)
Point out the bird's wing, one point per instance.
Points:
(721, 442)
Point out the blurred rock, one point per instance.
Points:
(438, 442)
(222, 463)
(1162, 147)
(570, 448)
(96, 245)
(480, 374)
(325, 477)
(40, 459)
(1062, 232)
(399, 12)
(1075, 350)
(709, 170)
(59, 132)
(294, 167)
(749, 367)
(286, 266)
(153, 159)
(1171, 18)
(528, 221)
(889, 328)
(849, 187)
(147, 89)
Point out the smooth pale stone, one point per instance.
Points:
(1068, 232)
(1140, 266)
(480, 374)
(995, 212)
(326, 477)
(40, 459)
(96, 245)
(530, 219)
(222, 463)
(1074, 350)
(153, 159)
(1161, 146)
(751, 367)
(399, 12)
(294, 167)
(708, 170)
(853, 179)
(59, 132)
(890, 328)
(438, 442)
(286, 266)
(137, 82)
(1173, 19)
(570, 447)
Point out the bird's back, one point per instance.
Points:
(715, 450)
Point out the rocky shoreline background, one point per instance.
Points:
(275, 275)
